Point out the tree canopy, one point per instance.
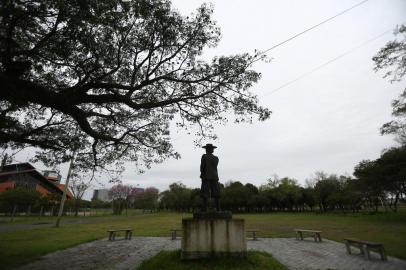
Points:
(106, 78)
(384, 178)
(392, 59)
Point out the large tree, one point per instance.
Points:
(105, 79)
(385, 177)
(392, 59)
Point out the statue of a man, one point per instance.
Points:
(210, 179)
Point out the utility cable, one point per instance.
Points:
(314, 26)
(326, 63)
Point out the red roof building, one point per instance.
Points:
(25, 175)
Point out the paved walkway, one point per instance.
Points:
(328, 254)
(124, 254)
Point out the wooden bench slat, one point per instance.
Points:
(365, 247)
(112, 233)
(303, 230)
(316, 234)
(363, 242)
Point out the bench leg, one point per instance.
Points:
(366, 252)
(319, 236)
(299, 236)
(315, 237)
(347, 245)
(383, 255)
(254, 236)
(130, 235)
(110, 236)
(362, 250)
(173, 235)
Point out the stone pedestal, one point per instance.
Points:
(213, 234)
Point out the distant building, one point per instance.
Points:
(53, 176)
(101, 194)
(138, 189)
(25, 175)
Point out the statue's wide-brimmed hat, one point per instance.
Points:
(209, 145)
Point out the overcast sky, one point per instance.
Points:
(328, 120)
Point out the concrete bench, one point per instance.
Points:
(112, 233)
(253, 234)
(316, 234)
(365, 247)
(173, 233)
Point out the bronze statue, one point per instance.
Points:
(210, 179)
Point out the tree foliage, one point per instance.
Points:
(392, 59)
(20, 197)
(285, 194)
(78, 185)
(146, 199)
(178, 198)
(106, 78)
(383, 180)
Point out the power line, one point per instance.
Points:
(327, 63)
(314, 26)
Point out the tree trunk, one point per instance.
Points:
(40, 211)
(383, 203)
(13, 213)
(58, 220)
(395, 204)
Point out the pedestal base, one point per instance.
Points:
(211, 237)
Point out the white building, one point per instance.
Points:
(101, 194)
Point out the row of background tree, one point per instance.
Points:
(378, 184)
(27, 201)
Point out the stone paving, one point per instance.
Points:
(328, 254)
(105, 254)
(124, 254)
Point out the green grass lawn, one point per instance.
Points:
(45, 218)
(170, 260)
(20, 247)
(386, 228)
